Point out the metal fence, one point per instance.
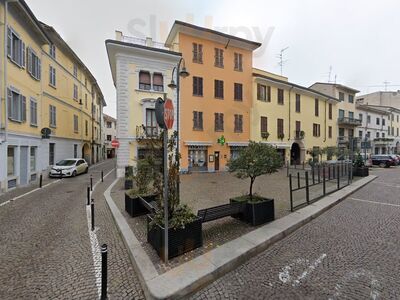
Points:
(316, 181)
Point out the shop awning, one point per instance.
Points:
(238, 144)
(192, 143)
(279, 145)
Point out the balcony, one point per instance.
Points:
(345, 140)
(349, 121)
(382, 141)
(299, 134)
(147, 132)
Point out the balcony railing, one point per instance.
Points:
(147, 132)
(383, 140)
(144, 42)
(299, 134)
(349, 121)
(347, 139)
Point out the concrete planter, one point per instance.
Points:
(256, 213)
(361, 171)
(134, 206)
(180, 240)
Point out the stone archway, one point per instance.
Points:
(295, 154)
(86, 152)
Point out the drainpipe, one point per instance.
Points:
(325, 123)
(290, 92)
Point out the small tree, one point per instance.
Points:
(255, 160)
(358, 161)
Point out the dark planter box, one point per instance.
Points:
(361, 172)
(239, 216)
(128, 184)
(134, 206)
(180, 240)
(257, 213)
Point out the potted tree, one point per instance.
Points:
(255, 160)
(128, 177)
(184, 227)
(359, 168)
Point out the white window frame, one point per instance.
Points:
(33, 112)
(75, 71)
(76, 124)
(16, 105)
(52, 116)
(75, 95)
(52, 51)
(53, 77)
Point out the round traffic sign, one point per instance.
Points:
(168, 113)
(115, 144)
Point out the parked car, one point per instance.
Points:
(69, 168)
(367, 159)
(396, 159)
(383, 161)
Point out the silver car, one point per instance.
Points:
(69, 167)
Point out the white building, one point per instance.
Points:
(110, 134)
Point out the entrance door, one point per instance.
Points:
(23, 166)
(295, 154)
(216, 161)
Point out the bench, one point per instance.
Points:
(148, 205)
(221, 211)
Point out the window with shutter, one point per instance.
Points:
(23, 108)
(33, 112)
(30, 60)
(144, 80)
(280, 97)
(264, 125)
(280, 128)
(238, 59)
(219, 89)
(219, 58)
(197, 53)
(330, 111)
(238, 91)
(316, 108)
(298, 102)
(9, 42)
(158, 82)
(197, 86)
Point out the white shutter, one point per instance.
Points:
(9, 41)
(9, 100)
(23, 54)
(23, 108)
(30, 64)
(39, 69)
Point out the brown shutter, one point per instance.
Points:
(144, 77)
(201, 120)
(200, 86)
(158, 79)
(195, 86)
(216, 127)
(222, 121)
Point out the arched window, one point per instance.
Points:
(144, 80)
(158, 83)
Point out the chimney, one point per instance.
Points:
(118, 35)
(149, 42)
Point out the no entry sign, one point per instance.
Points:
(115, 144)
(168, 113)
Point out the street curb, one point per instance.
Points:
(202, 270)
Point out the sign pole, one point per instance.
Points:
(165, 195)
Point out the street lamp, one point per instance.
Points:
(180, 73)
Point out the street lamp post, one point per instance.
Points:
(179, 73)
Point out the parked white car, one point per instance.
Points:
(69, 167)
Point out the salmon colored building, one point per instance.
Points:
(216, 99)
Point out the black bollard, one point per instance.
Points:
(102, 176)
(40, 180)
(92, 213)
(91, 183)
(103, 272)
(88, 195)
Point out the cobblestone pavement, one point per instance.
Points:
(350, 252)
(45, 247)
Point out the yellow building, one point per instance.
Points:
(44, 85)
(292, 118)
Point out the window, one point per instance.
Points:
(144, 80)
(33, 159)
(263, 92)
(341, 113)
(15, 48)
(16, 106)
(383, 134)
(351, 115)
(34, 64)
(197, 86)
(330, 132)
(238, 125)
(75, 70)
(51, 153)
(392, 130)
(368, 119)
(264, 126)
(76, 125)
(360, 134)
(397, 118)
(341, 96)
(75, 92)
(158, 82)
(52, 74)
(330, 111)
(219, 58)
(75, 151)
(351, 99)
(383, 122)
(151, 122)
(316, 107)
(316, 130)
(377, 134)
(397, 131)
(219, 89)
(52, 116)
(298, 129)
(197, 120)
(219, 122)
(360, 116)
(85, 82)
(298, 102)
(52, 51)
(368, 134)
(109, 138)
(197, 53)
(238, 91)
(280, 130)
(109, 125)
(238, 62)
(33, 112)
(85, 100)
(86, 128)
(280, 97)
(377, 121)
(10, 161)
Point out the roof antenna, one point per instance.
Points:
(282, 62)
(386, 83)
(329, 74)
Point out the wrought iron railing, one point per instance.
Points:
(147, 132)
(349, 121)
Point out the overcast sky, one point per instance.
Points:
(359, 39)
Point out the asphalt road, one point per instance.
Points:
(45, 246)
(350, 252)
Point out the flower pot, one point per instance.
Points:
(134, 206)
(256, 213)
(128, 184)
(180, 240)
(361, 171)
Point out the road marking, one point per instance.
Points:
(388, 185)
(94, 241)
(285, 277)
(374, 202)
(4, 203)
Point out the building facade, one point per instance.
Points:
(44, 109)
(292, 118)
(110, 134)
(216, 98)
(141, 70)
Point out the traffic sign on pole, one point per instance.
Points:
(115, 144)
